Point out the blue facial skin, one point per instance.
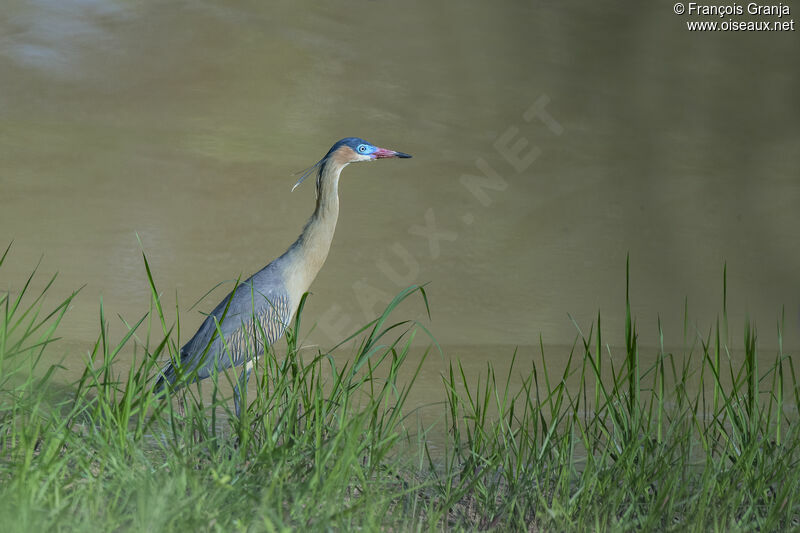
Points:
(365, 149)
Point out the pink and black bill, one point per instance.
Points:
(382, 153)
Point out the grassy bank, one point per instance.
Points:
(332, 447)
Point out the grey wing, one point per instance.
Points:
(252, 319)
(257, 328)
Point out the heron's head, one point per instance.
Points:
(353, 149)
(350, 150)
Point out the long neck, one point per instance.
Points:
(308, 253)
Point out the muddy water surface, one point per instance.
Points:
(590, 132)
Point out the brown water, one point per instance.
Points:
(183, 123)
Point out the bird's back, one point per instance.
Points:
(258, 310)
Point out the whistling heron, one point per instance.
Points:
(266, 302)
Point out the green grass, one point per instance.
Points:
(326, 446)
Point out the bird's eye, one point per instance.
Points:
(362, 148)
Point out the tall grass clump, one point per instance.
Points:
(693, 440)
(317, 448)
